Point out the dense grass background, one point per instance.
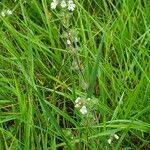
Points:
(38, 87)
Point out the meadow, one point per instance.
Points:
(75, 75)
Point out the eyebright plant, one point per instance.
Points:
(63, 3)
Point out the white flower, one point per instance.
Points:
(109, 141)
(116, 136)
(54, 4)
(9, 12)
(77, 105)
(78, 100)
(83, 110)
(63, 4)
(112, 138)
(6, 12)
(3, 13)
(71, 5)
(68, 42)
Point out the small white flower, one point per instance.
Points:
(83, 110)
(116, 136)
(9, 12)
(112, 138)
(71, 5)
(3, 13)
(109, 141)
(6, 12)
(63, 4)
(68, 42)
(77, 105)
(54, 4)
(78, 100)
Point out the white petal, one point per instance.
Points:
(109, 141)
(71, 5)
(78, 100)
(63, 4)
(68, 42)
(83, 110)
(54, 4)
(3, 14)
(9, 12)
(77, 106)
(116, 136)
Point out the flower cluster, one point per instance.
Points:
(69, 4)
(79, 103)
(6, 12)
(54, 4)
(114, 136)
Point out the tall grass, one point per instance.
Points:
(38, 86)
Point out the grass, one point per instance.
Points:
(39, 84)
